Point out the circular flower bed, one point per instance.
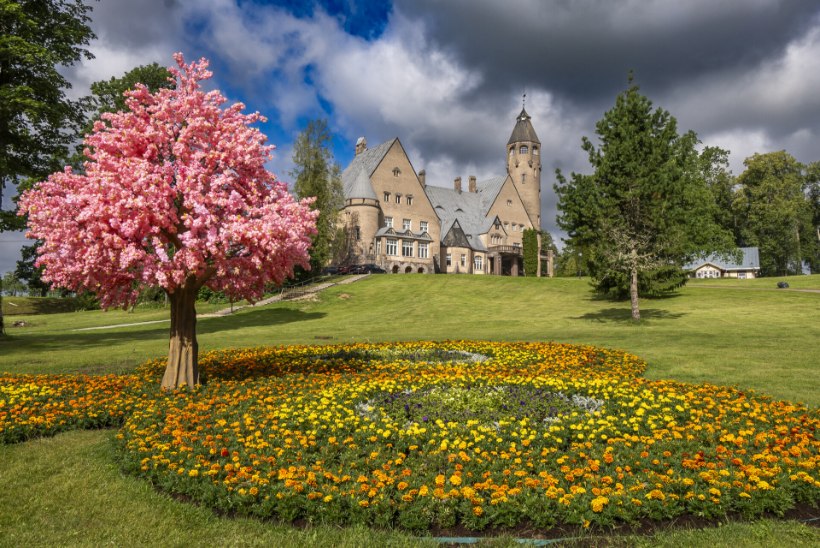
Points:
(473, 434)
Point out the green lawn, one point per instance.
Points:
(67, 490)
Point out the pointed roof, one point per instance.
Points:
(523, 130)
(750, 260)
(356, 176)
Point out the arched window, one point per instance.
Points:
(512, 151)
(396, 172)
(535, 151)
(523, 149)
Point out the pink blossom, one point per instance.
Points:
(174, 187)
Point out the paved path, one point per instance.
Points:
(291, 293)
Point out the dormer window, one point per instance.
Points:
(523, 149)
(396, 172)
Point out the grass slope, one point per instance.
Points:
(67, 490)
(748, 336)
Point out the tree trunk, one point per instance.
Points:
(183, 350)
(633, 294)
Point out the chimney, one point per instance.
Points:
(361, 145)
(472, 187)
(423, 178)
(457, 184)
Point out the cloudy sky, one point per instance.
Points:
(447, 77)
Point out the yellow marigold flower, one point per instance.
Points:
(598, 503)
(478, 510)
(455, 479)
(193, 473)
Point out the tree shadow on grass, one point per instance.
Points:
(80, 340)
(624, 315)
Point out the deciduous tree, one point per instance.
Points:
(175, 195)
(317, 176)
(36, 117)
(646, 207)
(776, 212)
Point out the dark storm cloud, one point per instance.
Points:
(584, 49)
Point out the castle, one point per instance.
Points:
(397, 221)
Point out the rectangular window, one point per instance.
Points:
(398, 198)
(423, 226)
(449, 260)
(392, 246)
(405, 224)
(378, 246)
(422, 250)
(463, 259)
(409, 200)
(388, 222)
(407, 248)
(478, 263)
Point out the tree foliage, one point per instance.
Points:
(37, 120)
(646, 207)
(317, 176)
(774, 204)
(29, 272)
(174, 195)
(109, 95)
(529, 243)
(36, 117)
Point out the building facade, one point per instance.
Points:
(715, 266)
(399, 222)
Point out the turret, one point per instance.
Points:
(524, 166)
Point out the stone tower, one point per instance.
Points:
(524, 166)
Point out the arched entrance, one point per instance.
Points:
(421, 270)
(408, 270)
(395, 269)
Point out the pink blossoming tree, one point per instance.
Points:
(175, 195)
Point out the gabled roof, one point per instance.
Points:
(466, 210)
(488, 190)
(750, 260)
(356, 176)
(523, 130)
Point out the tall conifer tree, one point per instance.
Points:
(646, 209)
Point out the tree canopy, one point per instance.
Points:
(773, 204)
(317, 176)
(175, 195)
(36, 117)
(646, 209)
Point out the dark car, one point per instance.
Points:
(783, 285)
(367, 269)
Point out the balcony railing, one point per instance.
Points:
(510, 249)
